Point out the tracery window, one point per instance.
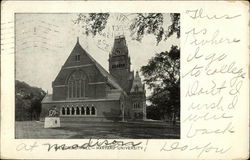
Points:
(77, 85)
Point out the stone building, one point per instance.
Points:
(84, 90)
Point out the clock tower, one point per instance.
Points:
(119, 63)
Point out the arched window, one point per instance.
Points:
(87, 111)
(63, 111)
(93, 112)
(77, 111)
(82, 111)
(72, 111)
(136, 105)
(76, 85)
(68, 111)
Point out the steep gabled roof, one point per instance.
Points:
(111, 80)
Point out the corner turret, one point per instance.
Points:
(137, 85)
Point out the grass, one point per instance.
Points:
(97, 130)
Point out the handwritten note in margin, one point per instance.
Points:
(214, 85)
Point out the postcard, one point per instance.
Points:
(124, 80)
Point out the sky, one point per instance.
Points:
(44, 42)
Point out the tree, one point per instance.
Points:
(153, 113)
(152, 23)
(162, 75)
(141, 24)
(93, 22)
(28, 101)
(175, 26)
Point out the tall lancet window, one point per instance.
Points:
(76, 85)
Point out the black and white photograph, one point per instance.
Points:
(124, 80)
(97, 75)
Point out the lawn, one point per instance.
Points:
(97, 130)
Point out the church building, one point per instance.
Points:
(84, 91)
